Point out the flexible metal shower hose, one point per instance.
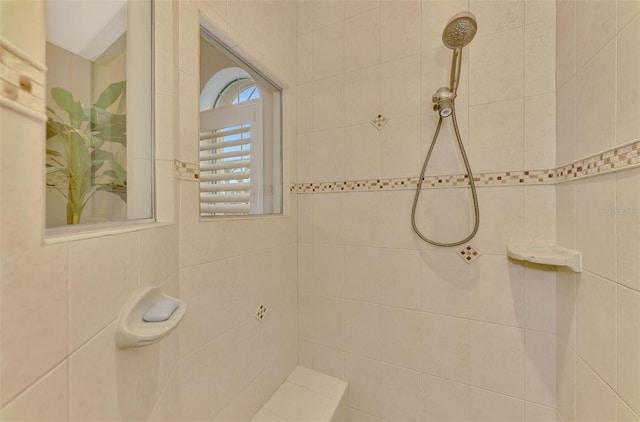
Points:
(476, 208)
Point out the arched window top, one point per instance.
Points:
(238, 91)
(231, 85)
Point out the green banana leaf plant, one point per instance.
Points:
(79, 160)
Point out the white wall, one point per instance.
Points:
(419, 333)
(598, 50)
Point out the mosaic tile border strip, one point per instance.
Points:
(22, 81)
(526, 177)
(616, 159)
(186, 171)
(620, 158)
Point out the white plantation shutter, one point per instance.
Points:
(231, 159)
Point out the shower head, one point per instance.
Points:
(460, 30)
(458, 33)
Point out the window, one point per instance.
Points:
(240, 136)
(99, 135)
(237, 91)
(230, 158)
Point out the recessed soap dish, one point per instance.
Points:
(133, 331)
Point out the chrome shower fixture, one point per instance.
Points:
(460, 30)
(457, 33)
(443, 101)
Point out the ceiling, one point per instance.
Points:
(85, 27)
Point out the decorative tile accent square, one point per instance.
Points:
(379, 121)
(468, 254)
(262, 310)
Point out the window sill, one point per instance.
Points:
(243, 217)
(65, 234)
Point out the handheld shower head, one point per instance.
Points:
(460, 30)
(457, 34)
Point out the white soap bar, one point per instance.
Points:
(161, 311)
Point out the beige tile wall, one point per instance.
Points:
(414, 329)
(231, 363)
(598, 337)
(59, 303)
(419, 333)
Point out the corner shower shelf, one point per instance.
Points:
(133, 331)
(546, 254)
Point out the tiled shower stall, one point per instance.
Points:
(418, 332)
(548, 107)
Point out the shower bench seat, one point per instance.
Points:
(306, 395)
